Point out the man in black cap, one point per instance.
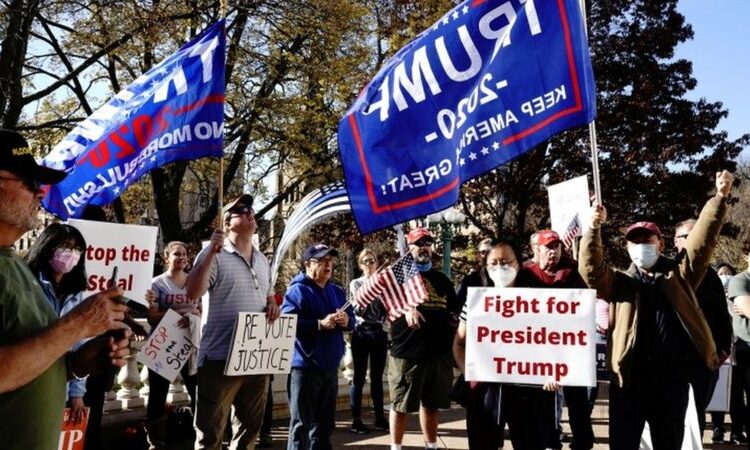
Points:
(35, 356)
(237, 278)
(656, 324)
(318, 348)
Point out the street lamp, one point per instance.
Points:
(446, 221)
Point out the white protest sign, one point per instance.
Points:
(261, 348)
(169, 347)
(530, 336)
(720, 400)
(130, 248)
(566, 200)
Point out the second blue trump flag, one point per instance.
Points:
(486, 83)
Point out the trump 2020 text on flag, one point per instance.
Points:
(483, 85)
(173, 112)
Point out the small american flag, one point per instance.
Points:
(400, 287)
(573, 230)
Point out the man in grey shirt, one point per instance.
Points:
(237, 278)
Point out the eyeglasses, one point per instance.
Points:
(367, 261)
(72, 248)
(501, 262)
(323, 260)
(423, 243)
(241, 210)
(31, 185)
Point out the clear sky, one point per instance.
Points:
(720, 52)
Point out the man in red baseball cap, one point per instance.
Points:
(656, 325)
(552, 269)
(420, 366)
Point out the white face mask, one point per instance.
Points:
(725, 280)
(643, 255)
(502, 276)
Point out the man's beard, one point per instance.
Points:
(14, 214)
(423, 256)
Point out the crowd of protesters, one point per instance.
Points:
(672, 322)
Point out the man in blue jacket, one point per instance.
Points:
(318, 349)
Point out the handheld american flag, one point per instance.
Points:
(571, 232)
(400, 287)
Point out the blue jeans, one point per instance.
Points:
(372, 345)
(312, 406)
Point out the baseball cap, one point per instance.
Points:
(417, 234)
(319, 250)
(16, 157)
(648, 226)
(242, 200)
(547, 237)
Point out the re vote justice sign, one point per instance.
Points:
(531, 336)
(260, 347)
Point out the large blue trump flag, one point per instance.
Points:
(173, 112)
(483, 85)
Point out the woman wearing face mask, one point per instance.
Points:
(169, 292)
(56, 260)
(528, 410)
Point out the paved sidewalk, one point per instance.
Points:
(452, 433)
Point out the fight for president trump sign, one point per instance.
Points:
(531, 336)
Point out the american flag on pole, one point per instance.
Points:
(400, 288)
(571, 232)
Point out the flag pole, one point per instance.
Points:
(223, 13)
(592, 127)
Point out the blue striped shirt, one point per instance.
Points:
(234, 286)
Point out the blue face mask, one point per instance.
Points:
(424, 267)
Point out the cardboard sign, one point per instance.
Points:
(261, 348)
(720, 400)
(130, 248)
(568, 200)
(169, 347)
(531, 336)
(73, 434)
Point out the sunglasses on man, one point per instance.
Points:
(238, 211)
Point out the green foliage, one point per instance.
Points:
(294, 67)
(658, 150)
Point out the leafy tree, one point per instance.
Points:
(290, 72)
(658, 150)
(294, 67)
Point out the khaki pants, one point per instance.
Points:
(217, 394)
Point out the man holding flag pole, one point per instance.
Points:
(486, 83)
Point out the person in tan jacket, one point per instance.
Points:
(656, 325)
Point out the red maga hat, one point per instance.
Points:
(648, 226)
